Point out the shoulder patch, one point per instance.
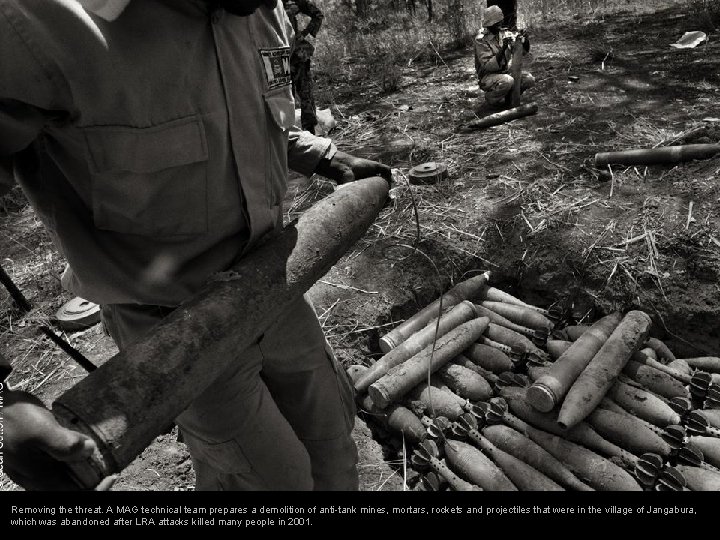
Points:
(276, 64)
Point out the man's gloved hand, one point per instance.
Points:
(501, 57)
(37, 447)
(344, 168)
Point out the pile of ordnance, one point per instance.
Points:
(489, 393)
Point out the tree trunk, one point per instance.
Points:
(361, 8)
(458, 25)
(429, 10)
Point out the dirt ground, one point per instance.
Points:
(523, 200)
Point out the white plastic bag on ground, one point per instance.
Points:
(326, 121)
(690, 40)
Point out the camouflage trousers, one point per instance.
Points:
(498, 85)
(303, 89)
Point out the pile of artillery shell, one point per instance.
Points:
(488, 392)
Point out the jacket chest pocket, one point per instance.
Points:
(150, 181)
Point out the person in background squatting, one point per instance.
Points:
(493, 57)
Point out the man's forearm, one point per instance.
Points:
(305, 150)
(316, 17)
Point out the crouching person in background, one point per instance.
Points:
(493, 55)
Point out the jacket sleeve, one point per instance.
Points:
(305, 150)
(20, 124)
(307, 7)
(31, 86)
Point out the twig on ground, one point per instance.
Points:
(326, 314)
(347, 287)
(45, 379)
(371, 328)
(637, 238)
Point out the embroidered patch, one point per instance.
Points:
(277, 66)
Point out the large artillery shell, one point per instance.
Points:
(557, 347)
(515, 70)
(437, 382)
(681, 366)
(471, 464)
(627, 432)
(494, 294)
(465, 382)
(427, 454)
(522, 475)
(711, 415)
(488, 358)
(643, 404)
(598, 472)
(549, 391)
(581, 433)
(401, 379)
(536, 370)
(706, 363)
(657, 156)
(709, 446)
(461, 313)
(525, 449)
(502, 321)
(356, 371)
(511, 338)
(501, 117)
(574, 332)
(665, 355)
(595, 380)
(610, 405)
(655, 380)
(462, 360)
(396, 418)
(514, 355)
(465, 290)
(700, 479)
(132, 398)
(524, 316)
(642, 357)
(437, 401)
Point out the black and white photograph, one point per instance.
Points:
(370, 251)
